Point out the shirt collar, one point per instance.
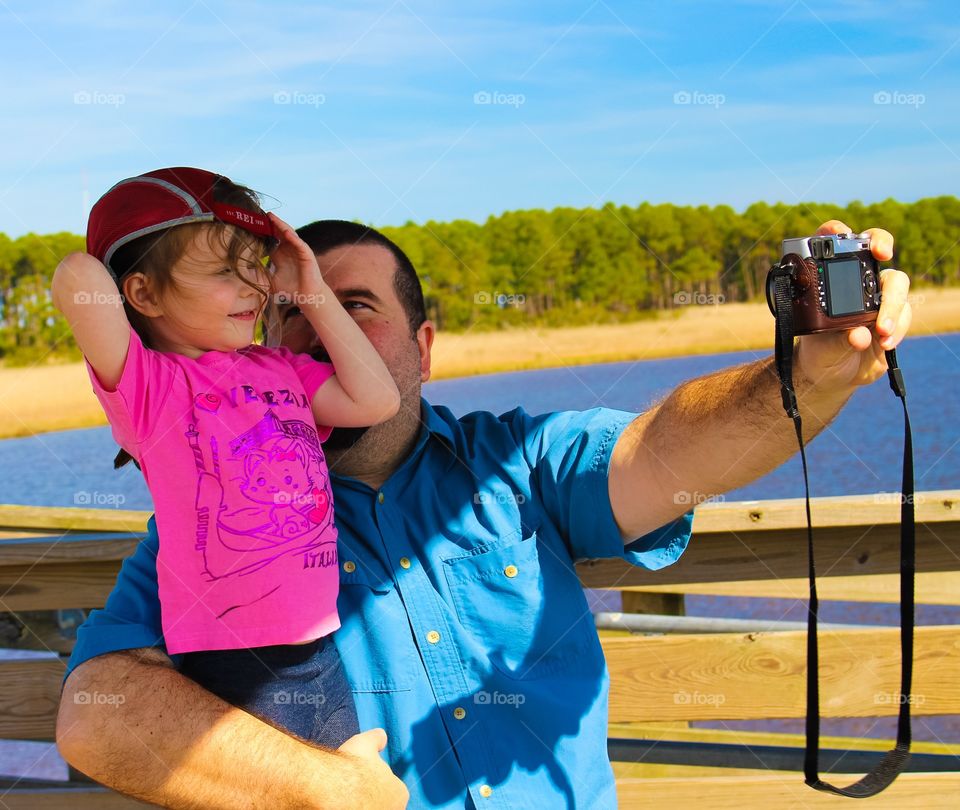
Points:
(437, 425)
(432, 424)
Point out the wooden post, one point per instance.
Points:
(663, 604)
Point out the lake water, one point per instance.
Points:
(860, 452)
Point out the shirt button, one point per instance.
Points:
(380, 497)
(486, 791)
(349, 566)
(404, 562)
(510, 571)
(459, 713)
(433, 637)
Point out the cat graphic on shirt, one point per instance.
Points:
(279, 501)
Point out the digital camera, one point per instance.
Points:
(834, 282)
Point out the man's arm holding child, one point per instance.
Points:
(172, 743)
(721, 431)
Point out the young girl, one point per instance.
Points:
(164, 307)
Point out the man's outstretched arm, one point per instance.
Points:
(163, 739)
(721, 431)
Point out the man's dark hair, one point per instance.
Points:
(327, 234)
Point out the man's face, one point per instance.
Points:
(361, 277)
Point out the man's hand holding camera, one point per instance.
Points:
(841, 360)
(850, 316)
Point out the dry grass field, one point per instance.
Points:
(57, 397)
(688, 330)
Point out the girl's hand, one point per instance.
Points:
(295, 267)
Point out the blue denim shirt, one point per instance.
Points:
(465, 632)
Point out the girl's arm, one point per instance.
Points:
(88, 297)
(362, 392)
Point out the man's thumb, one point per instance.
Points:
(366, 743)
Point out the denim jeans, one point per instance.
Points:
(299, 687)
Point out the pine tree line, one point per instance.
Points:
(561, 267)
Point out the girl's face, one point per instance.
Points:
(209, 306)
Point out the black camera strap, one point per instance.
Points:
(895, 760)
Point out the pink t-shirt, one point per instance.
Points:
(229, 449)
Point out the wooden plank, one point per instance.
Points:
(842, 551)
(935, 506)
(934, 791)
(67, 547)
(736, 736)
(72, 518)
(931, 589)
(932, 506)
(67, 798)
(763, 675)
(670, 678)
(659, 603)
(62, 585)
(733, 541)
(20, 533)
(29, 697)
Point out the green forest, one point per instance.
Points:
(562, 267)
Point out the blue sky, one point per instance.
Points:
(405, 110)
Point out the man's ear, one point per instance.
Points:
(425, 335)
(138, 291)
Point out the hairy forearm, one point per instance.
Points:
(711, 435)
(163, 739)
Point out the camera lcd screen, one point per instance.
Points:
(844, 287)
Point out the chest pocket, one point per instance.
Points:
(373, 618)
(523, 606)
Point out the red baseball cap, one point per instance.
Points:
(162, 199)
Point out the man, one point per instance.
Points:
(465, 633)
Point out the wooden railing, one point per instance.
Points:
(63, 559)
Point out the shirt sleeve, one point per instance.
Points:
(131, 617)
(569, 453)
(134, 405)
(312, 374)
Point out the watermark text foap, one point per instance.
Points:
(895, 698)
(685, 298)
(695, 698)
(82, 698)
(897, 98)
(98, 298)
(696, 98)
(515, 699)
(498, 99)
(97, 98)
(483, 498)
(298, 299)
(892, 497)
(500, 299)
(298, 98)
(99, 499)
(284, 697)
(684, 498)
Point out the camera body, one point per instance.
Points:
(834, 280)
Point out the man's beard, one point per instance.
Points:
(343, 438)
